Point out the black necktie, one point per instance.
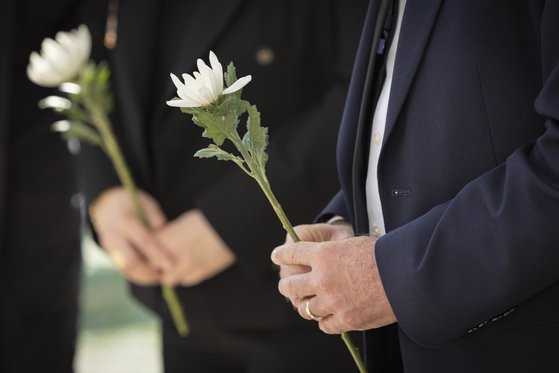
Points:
(376, 73)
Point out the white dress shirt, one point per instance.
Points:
(374, 206)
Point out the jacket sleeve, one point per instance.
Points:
(336, 207)
(494, 245)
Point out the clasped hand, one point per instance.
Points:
(184, 251)
(337, 274)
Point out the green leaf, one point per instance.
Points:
(75, 113)
(217, 127)
(256, 137)
(216, 151)
(103, 73)
(230, 75)
(95, 83)
(230, 78)
(83, 132)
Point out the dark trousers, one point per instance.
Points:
(209, 349)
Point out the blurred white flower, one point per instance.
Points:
(205, 87)
(61, 59)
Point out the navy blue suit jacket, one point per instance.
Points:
(469, 183)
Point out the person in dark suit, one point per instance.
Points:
(466, 169)
(210, 224)
(40, 257)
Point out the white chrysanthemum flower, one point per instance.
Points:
(205, 87)
(60, 59)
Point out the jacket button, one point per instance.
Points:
(265, 56)
(400, 193)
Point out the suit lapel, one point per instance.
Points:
(210, 21)
(419, 18)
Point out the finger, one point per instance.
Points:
(311, 307)
(305, 232)
(173, 275)
(331, 325)
(130, 264)
(138, 235)
(300, 231)
(154, 215)
(296, 287)
(295, 269)
(138, 270)
(302, 310)
(298, 253)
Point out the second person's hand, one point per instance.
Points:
(131, 245)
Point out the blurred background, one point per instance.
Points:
(115, 335)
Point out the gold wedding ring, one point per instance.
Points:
(118, 259)
(309, 313)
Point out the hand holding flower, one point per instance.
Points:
(64, 63)
(342, 300)
(131, 245)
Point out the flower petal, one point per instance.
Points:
(217, 71)
(240, 83)
(192, 88)
(183, 103)
(61, 59)
(39, 71)
(177, 82)
(206, 79)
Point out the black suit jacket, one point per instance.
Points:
(469, 182)
(39, 228)
(300, 94)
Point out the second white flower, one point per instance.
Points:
(205, 87)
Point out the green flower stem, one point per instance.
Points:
(257, 172)
(265, 186)
(110, 145)
(354, 351)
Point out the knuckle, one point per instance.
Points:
(347, 318)
(301, 311)
(321, 282)
(292, 253)
(322, 255)
(296, 302)
(323, 325)
(284, 272)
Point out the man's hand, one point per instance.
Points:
(131, 245)
(343, 285)
(197, 250)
